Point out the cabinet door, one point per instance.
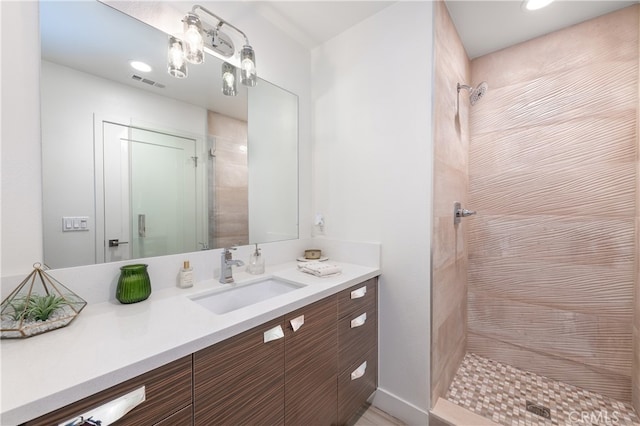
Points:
(241, 381)
(167, 390)
(311, 364)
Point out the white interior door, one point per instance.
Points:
(149, 193)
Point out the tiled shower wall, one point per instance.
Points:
(228, 175)
(451, 142)
(553, 175)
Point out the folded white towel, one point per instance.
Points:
(320, 269)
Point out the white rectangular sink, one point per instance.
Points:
(242, 295)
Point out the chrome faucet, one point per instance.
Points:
(226, 262)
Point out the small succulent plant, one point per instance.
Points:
(40, 308)
(36, 307)
(19, 307)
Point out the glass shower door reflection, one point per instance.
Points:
(155, 192)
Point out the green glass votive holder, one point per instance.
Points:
(134, 284)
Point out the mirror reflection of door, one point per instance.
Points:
(149, 193)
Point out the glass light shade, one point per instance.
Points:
(193, 41)
(248, 64)
(229, 87)
(177, 66)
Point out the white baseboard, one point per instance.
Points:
(399, 408)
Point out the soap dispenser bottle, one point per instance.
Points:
(186, 275)
(256, 262)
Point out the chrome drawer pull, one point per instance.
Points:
(358, 293)
(297, 322)
(359, 320)
(110, 412)
(273, 334)
(359, 372)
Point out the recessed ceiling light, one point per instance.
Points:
(140, 66)
(535, 4)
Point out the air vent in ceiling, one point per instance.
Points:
(147, 81)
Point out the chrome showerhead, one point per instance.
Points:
(478, 93)
(475, 94)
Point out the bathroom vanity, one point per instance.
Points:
(305, 357)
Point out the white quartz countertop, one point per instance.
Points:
(109, 343)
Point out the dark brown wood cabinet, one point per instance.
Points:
(240, 381)
(314, 366)
(183, 417)
(290, 380)
(311, 364)
(357, 348)
(167, 388)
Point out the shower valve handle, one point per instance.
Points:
(459, 212)
(465, 212)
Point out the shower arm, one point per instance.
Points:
(464, 86)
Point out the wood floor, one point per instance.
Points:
(376, 417)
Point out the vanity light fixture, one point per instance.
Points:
(229, 87)
(175, 58)
(197, 37)
(193, 40)
(535, 4)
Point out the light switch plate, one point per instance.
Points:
(75, 223)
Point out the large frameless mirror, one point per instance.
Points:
(139, 163)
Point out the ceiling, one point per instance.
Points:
(484, 26)
(488, 26)
(313, 22)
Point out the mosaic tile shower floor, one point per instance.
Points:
(501, 393)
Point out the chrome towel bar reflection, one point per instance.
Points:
(459, 212)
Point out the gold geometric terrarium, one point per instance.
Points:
(39, 304)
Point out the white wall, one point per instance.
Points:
(21, 178)
(280, 59)
(68, 146)
(372, 180)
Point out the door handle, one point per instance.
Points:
(359, 372)
(358, 293)
(359, 321)
(142, 226)
(297, 322)
(116, 243)
(111, 411)
(274, 333)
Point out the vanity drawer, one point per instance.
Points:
(357, 334)
(356, 384)
(357, 297)
(167, 391)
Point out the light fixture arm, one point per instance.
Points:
(221, 21)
